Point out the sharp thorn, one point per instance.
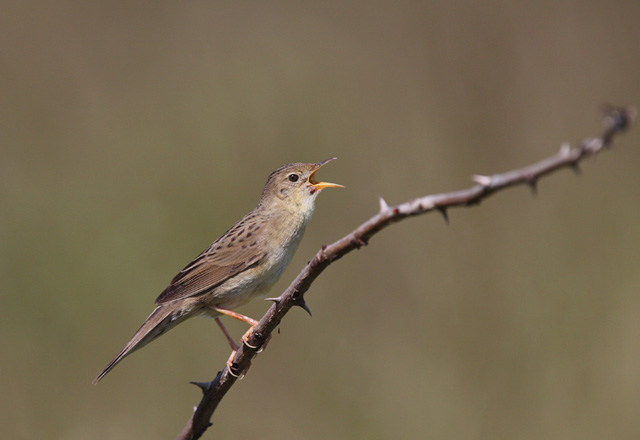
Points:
(532, 183)
(444, 212)
(482, 180)
(301, 303)
(358, 242)
(275, 300)
(204, 386)
(576, 168)
(383, 205)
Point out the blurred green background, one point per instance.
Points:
(135, 133)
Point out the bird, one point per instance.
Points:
(243, 264)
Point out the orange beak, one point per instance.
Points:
(320, 185)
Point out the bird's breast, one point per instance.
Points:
(279, 242)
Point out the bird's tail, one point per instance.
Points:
(161, 320)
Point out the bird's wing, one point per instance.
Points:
(237, 250)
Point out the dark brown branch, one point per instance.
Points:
(616, 121)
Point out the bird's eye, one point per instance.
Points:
(293, 177)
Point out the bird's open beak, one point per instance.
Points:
(320, 185)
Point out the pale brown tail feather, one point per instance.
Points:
(160, 321)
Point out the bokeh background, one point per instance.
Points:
(134, 133)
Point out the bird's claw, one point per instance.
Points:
(230, 367)
(245, 340)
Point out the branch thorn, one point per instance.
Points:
(204, 386)
(444, 212)
(383, 205)
(532, 183)
(576, 168)
(565, 149)
(302, 303)
(482, 180)
(358, 242)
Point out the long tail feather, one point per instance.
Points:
(161, 320)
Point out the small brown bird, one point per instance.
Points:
(243, 263)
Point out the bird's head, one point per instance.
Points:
(294, 185)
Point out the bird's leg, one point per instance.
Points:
(239, 316)
(230, 340)
(232, 344)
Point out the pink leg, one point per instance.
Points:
(232, 343)
(240, 317)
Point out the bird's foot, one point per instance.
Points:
(245, 339)
(231, 367)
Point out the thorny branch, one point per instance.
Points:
(616, 121)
